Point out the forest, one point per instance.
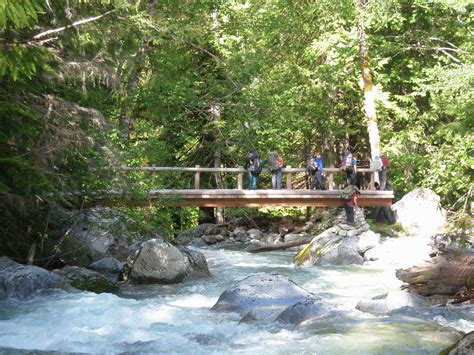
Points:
(87, 86)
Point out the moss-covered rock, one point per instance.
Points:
(97, 285)
(86, 280)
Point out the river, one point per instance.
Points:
(177, 318)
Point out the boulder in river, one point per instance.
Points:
(390, 302)
(261, 296)
(86, 280)
(158, 262)
(196, 264)
(302, 311)
(21, 281)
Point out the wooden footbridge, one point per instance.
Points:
(238, 197)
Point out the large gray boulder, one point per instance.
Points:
(21, 281)
(420, 212)
(345, 253)
(96, 233)
(196, 264)
(261, 296)
(158, 262)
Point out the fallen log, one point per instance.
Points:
(281, 246)
(441, 275)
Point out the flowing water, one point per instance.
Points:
(177, 318)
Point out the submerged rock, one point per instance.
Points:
(259, 293)
(21, 281)
(390, 302)
(302, 311)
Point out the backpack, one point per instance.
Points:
(348, 192)
(385, 161)
(274, 162)
(347, 160)
(310, 163)
(257, 165)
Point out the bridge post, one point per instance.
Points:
(331, 180)
(240, 180)
(372, 181)
(288, 179)
(197, 178)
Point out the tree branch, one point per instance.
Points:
(74, 24)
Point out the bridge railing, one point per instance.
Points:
(240, 171)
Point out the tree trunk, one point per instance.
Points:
(369, 100)
(442, 275)
(215, 111)
(281, 246)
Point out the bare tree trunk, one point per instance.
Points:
(31, 254)
(281, 246)
(215, 111)
(369, 100)
(442, 275)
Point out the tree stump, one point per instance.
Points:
(442, 275)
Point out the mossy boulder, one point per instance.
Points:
(86, 280)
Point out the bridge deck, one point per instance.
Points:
(243, 198)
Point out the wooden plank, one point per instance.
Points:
(236, 202)
(239, 198)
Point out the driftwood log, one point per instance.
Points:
(280, 246)
(442, 275)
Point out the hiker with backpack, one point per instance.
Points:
(275, 164)
(254, 166)
(349, 165)
(349, 196)
(315, 167)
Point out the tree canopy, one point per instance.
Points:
(88, 85)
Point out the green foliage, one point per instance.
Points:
(389, 230)
(136, 87)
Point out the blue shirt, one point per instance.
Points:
(319, 163)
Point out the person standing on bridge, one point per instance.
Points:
(349, 166)
(254, 167)
(318, 173)
(275, 164)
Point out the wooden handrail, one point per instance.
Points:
(197, 170)
(225, 170)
